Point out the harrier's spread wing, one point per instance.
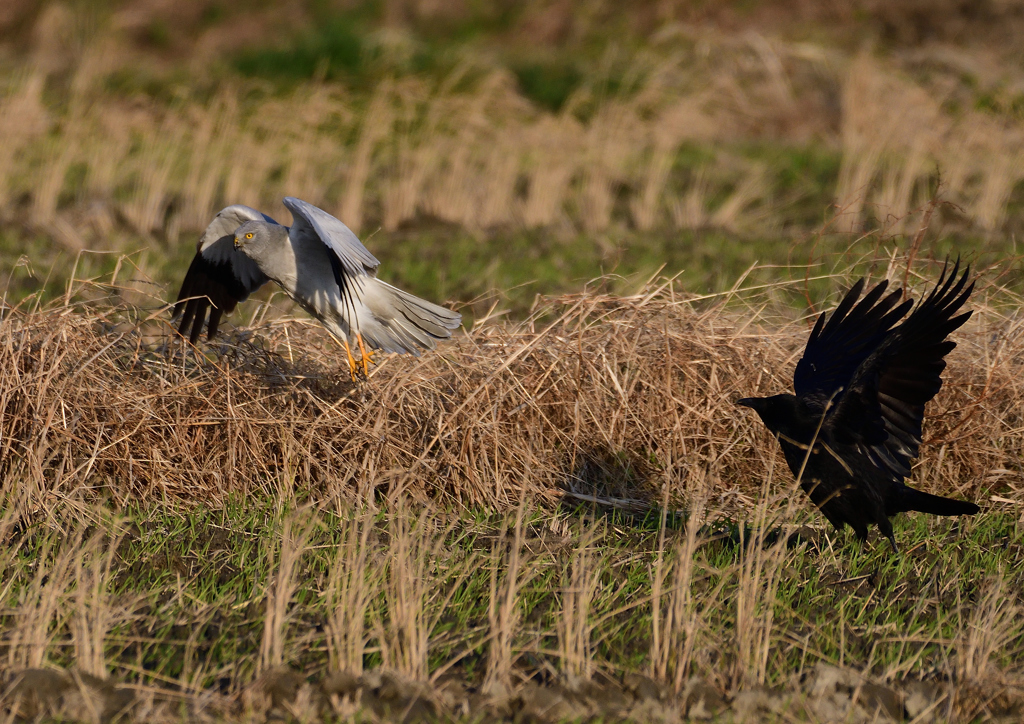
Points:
(355, 259)
(378, 314)
(220, 276)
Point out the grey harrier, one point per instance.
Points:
(322, 265)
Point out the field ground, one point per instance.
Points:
(560, 514)
(560, 517)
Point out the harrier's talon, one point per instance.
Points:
(352, 366)
(367, 356)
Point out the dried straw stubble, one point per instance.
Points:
(595, 396)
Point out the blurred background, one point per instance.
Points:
(491, 151)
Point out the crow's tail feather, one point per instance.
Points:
(915, 500)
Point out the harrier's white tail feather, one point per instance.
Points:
(426, 312)
(403, 322)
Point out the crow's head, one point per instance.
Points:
(785, 414)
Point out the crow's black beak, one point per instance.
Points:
(751, 402)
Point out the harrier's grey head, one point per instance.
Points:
(252, 236)
(262, 242)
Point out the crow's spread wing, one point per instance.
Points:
(883, 408)
(355, 259)
(220, 276)
(837, 348)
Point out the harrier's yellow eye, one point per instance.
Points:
(249, 235)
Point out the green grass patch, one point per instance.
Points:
(332, 51)
(188, 591)
(550, 84)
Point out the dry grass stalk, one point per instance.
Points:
(573, 626)
(416, 568)
(23, 119)
(877, 134)
(995, 622)
(758, 580)
(41, 607)
(684, 119)
(353, 582)
(281, 588)
(503, 608)
(94, 614)
(374, 126)
(895, 134)
(676, 624)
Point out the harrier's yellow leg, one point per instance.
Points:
(367, 356)
(352, 366)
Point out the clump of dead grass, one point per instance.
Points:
(591, 396)
(896, 137)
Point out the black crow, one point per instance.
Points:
(854, 424)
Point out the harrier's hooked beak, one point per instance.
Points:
(238, 243)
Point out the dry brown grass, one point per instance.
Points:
(40, 606)
(593, 395)
(574, 626)
(354, 581)
(282, 590)
(480, 156)
(896, 136)
(413, 589)
(675, 622)
(456, 156)
(504, 607)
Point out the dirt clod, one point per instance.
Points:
(73, 695)
(921, 697)
(702, 701)
(883, 699)
(545, 704)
